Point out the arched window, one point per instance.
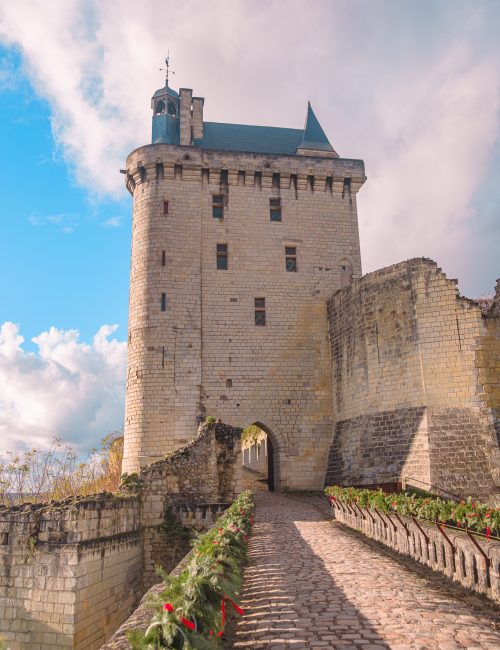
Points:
(345, 273)
(159, 107)
(172, 108)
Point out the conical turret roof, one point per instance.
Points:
(314, 137)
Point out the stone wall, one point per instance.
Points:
(458, 557)
(204, 354)
(71, 572)
(415, 378)
(187, 490)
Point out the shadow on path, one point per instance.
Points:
(311, 583)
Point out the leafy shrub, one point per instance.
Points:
(191, 611)
(467, 513)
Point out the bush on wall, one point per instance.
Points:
(190, 613)
(467, 513)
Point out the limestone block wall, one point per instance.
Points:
(408, 358)
(204, 354)
(186, 491)
(70, 572)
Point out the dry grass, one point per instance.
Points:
(57, 473)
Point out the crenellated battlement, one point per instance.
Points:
(161, 162)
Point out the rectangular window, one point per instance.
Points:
(163, 258)
(222, 257)
(275, 209)
(291, 258)
(164, 302)
(165, 207)
(260, 311)
(217, 206)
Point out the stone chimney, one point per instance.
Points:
(197, 118)
(186, 95)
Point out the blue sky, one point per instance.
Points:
(411, 87)
(64, 256)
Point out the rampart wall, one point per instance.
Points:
(415, 372)
(71, 572)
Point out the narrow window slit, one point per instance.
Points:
(260, 311)
(222, 257)
(217, 206)
(159, 172)
(275, 209)
(178, 172)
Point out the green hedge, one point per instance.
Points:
(190, 611)
(468, 513)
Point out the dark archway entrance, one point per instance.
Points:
(258, 458)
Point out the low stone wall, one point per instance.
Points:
(70, 572)
(141, 617)
(465, 564)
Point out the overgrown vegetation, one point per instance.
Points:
(190, 613)
(251, 434)
(467, 513)
(57, 473)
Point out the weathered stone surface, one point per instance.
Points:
(313, 583)
(204, 353)
(71, 572)
(415, 383)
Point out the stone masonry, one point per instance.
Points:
(204, 354)
(415, 382)
(71, 572)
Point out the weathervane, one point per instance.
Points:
(166, 69)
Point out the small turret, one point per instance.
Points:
(166, 110)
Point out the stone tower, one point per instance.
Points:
(240, 235)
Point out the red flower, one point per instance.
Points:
(168, 607)
(488, 532)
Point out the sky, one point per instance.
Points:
(412, 88)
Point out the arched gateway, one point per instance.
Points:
(260, 457)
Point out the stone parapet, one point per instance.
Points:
(452, 554)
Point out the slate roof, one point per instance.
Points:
(244, 137)
(314, 136)
(166, 90)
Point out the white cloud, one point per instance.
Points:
(113, 222)
(433, 139)
(410, 87)
(66, 388)
(65, 222)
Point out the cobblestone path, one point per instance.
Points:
(312, 583)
